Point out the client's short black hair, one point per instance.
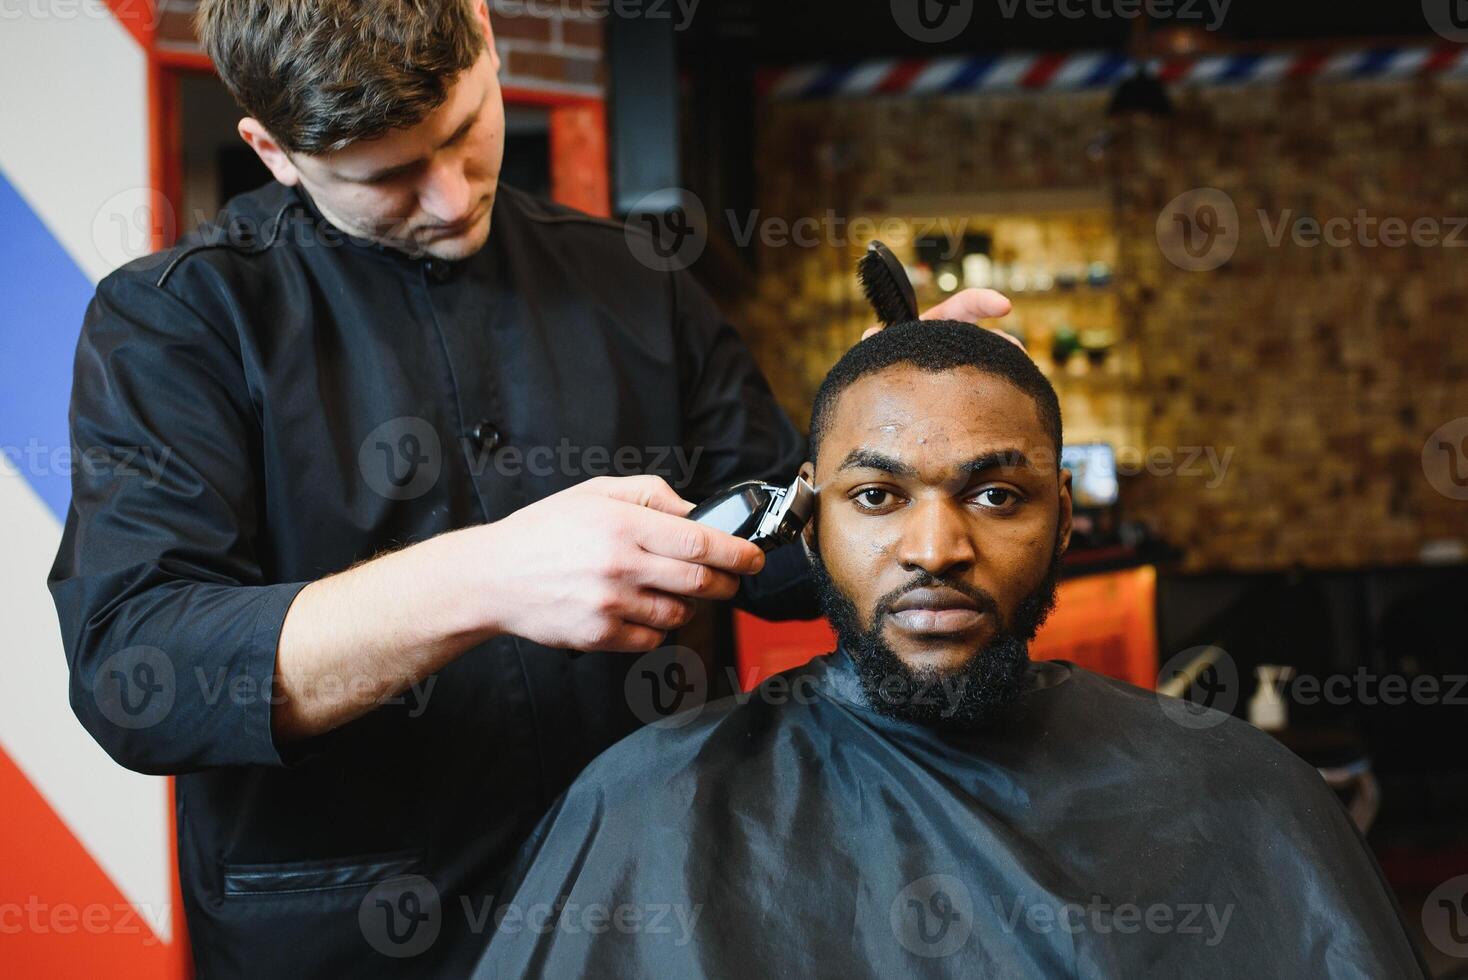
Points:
(936, 345)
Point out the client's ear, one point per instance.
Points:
(808, 533)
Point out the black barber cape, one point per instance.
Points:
(801, 834)
(269, 403)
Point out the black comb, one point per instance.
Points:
(886, 285)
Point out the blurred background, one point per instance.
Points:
(1236, 238)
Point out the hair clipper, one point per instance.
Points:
(764, 513)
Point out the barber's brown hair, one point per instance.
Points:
(322, 74)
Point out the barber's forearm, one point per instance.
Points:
(357, 638)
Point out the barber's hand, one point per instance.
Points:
(610, 564)
(969, 306)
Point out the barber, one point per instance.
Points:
(341, 610)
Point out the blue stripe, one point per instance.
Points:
(971, 74)
(1107, 71)
(1239, 68)
(43, 296)
(1375, 61)
(828, 81)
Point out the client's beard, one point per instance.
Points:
(967, 697)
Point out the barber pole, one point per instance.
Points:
(1090, 70)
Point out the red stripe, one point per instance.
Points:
(136, 18)
(899, 78)
(1042, 70)
(1307, 64)
(1174, 68)
(1441, 58)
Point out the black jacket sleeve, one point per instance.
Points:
(739, 432)
(170, 627)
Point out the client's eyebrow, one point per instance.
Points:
(870, 459)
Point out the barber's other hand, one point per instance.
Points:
(969, 306)
(610, 564)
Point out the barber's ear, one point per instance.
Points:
(271, 153)
(481, 13)
(808, 533)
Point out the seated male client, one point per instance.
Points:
(926, 800)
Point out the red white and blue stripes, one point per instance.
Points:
(1096, 69)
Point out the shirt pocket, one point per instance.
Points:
(307, 877)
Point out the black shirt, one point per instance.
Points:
(304, 401)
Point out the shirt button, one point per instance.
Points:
(438, 269)
(485, 436)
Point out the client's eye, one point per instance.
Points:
(873, 498)
(986, 495)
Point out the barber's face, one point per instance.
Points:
(425, 190)
(941, 513)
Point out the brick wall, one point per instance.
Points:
(549, 46)
(1321, 370)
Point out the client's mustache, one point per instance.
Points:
(926, 580)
